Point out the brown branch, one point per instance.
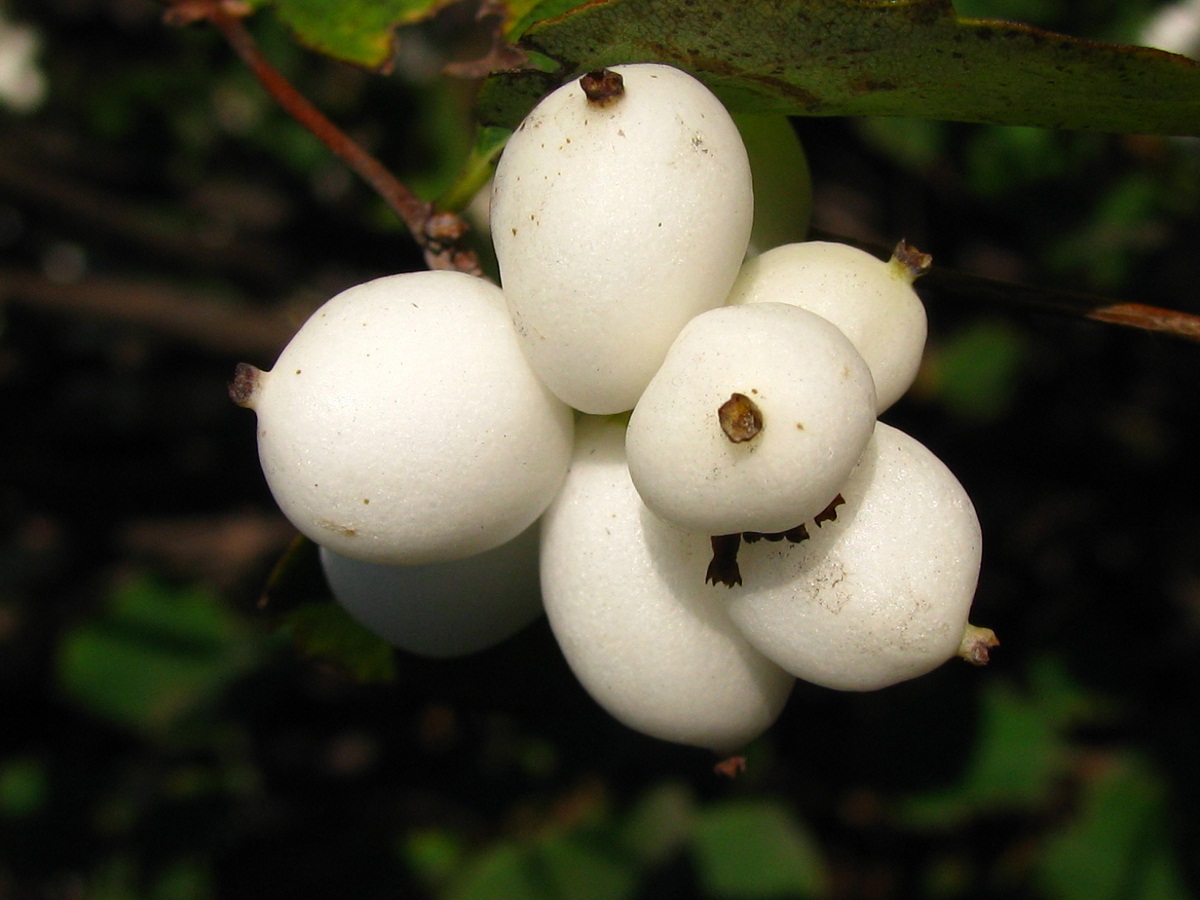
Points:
(439, 234)
(948, 283)
(1063, 303)
(184, 314)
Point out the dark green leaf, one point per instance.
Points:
(298, 594)
(854, 57)
(326, 632)
(155, 655)
(1019, 753)
(1119, 846)
(755, 848)
(358, 31)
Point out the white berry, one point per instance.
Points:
(871, 301)
(442, 609)
(878, 595)
(815, 403)
(625, 595)
(615, 221)
(403, 425)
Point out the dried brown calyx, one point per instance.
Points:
(911, 261)
(977, 645)
(603, 86)
(723, 568)
(829, 513)
(245, 384)
(740, 418)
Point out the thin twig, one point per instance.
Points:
(1075, 304)
(439, 234)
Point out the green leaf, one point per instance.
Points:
(862, 57)
(1019, 753)
(297, 593)
(974, 373)
(24, 786)
(503, 871)
(578, 868)
(755, 848)
(326, 632)
(357, 31)
(658, 824)
(154, 656)
(476, 170)
(1120, 845)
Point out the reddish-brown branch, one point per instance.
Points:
(439, 234)
(953, 285)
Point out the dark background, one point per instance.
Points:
(161, 736)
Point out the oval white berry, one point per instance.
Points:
(816, 406)
(871, 301)
(614, 223)
(878, 595)
(445, 609)
(403, 425)
(625, 595)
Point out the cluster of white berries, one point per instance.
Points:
(678, 445)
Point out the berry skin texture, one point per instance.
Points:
(871, 301)
(815, 402)
(442, 610)
(616, 222)
(625, 596)
(880, 594)
(403, 425)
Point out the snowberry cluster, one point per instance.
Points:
(678, 444)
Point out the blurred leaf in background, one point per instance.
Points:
(155, 656)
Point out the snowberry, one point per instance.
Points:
(871, 301)
(442, 609)
(755, 419)
(621, 208)
(403, 425)
(881, 593)
(625, 596)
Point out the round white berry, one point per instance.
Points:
(442, 609)
(617, 215)
(625, 596)
(871, 301)
(878, 595)
(754, 421)
(403, 425)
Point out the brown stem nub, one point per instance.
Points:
(603, 86)
(912, 261)
(977, 644)
(730, 766)
(740, 418)
(244, 384)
